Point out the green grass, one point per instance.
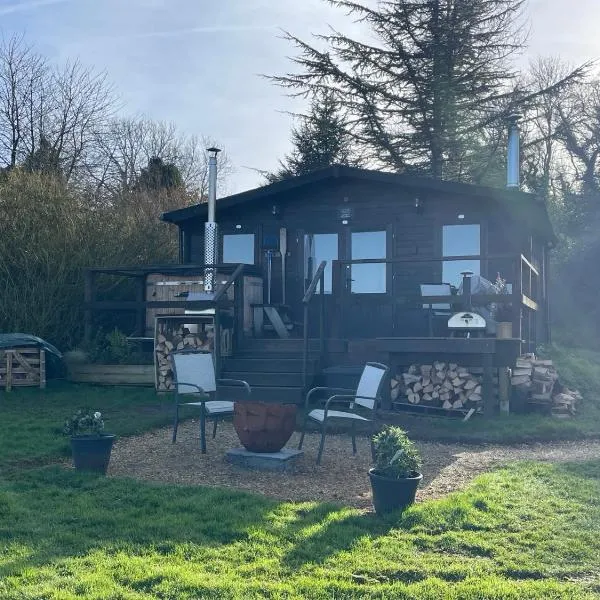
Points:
(530, 531)
(32, 419)
(526, 532)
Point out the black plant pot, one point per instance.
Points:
(92, 452)
(393, 494)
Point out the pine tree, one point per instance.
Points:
(319, 141)
(433, 75)
(159, 175)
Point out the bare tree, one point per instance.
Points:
(84, 102)
(23, 75)
(127, 146)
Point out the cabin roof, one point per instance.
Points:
(521, 205)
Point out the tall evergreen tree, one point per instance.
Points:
(435, 75)
(44, 159)
(159, 175)
(319, 141)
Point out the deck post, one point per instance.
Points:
(504, 389)
(322, 317)
(488, 385)
(140, 293)
(217, 340)
(305, 349)
(88, 292)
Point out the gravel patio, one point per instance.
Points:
(341, 477)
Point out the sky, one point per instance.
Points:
(199, 63)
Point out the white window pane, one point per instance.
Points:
(319, 247)
(461, 240)
(368, 244)
(368, 278)
(238, 248)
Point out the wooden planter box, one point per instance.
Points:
(22, 367)
(112, 374)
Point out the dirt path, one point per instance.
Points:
(340, 478)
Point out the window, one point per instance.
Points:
(319, 247)
(460, 240)
(238, 248)
(369, 278)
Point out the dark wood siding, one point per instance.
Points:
(413, 233)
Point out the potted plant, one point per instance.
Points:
(90, 446)
(502, 311)
(396, 474)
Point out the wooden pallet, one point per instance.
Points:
(22, 367)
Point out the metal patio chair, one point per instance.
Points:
(194, 374)
(365, 397)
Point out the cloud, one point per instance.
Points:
(203, 29)
(24, 6)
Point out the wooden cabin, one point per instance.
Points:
(394, 247)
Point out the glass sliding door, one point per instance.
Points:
(368, 278)
(319, 247)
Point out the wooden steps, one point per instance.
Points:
(274, 368)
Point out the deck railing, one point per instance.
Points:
(318, 279)
(402, 291)
(140, 305)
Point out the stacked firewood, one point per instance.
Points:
(168, 342)
(539, 380)
(445, 385)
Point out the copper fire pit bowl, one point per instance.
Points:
(262, 426)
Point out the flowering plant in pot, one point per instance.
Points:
(396, 473)
(502, 311)
(90, 445)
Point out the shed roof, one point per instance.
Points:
(521, 205)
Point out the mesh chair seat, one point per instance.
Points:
(318, 414)
(213, 407)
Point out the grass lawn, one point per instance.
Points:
(32, 419)
(531, 531)
(525, 532)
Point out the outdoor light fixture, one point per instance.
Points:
(276, 210)
(345, 214)
(238, 226)
(418, 205)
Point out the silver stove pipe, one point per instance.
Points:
(513, 163)
(210, 227)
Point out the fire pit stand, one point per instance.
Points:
(264, 428)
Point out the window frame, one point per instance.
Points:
(388, 231)
(482, 256)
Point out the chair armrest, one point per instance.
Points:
(326, 389)
(346, 398)
(237, 382)
(199, 390)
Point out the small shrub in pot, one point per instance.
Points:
(396, 473)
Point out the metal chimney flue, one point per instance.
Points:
(513, 163)
(210, 227)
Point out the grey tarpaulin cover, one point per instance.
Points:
(22, 340)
